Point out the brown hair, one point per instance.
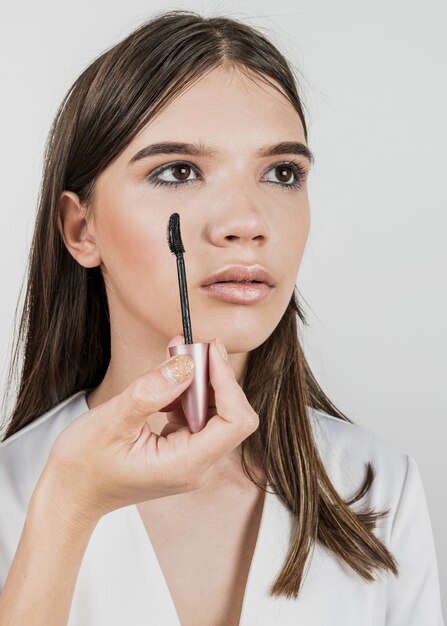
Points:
(64, 330)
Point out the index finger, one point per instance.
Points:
(174, 341)
(235, 419)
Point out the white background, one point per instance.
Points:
(374, 272)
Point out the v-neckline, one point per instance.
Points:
(141, 529)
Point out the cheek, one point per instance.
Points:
(294, 238)
(137, 263)
(127, 244)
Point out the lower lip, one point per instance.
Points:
(239, 293)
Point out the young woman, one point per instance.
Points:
(281, 510)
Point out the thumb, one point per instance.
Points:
(148, 393)
(174, 341)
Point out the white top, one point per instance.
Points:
(120, 580)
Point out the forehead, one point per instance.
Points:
(227, 108)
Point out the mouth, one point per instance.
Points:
(239, 292)
(240, 284)
(237, 282)
(241, 274)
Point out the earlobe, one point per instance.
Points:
(73, 228)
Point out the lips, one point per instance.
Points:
(241, 274)
(239, 292)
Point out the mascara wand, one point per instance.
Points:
(177, 248)
(195, 397)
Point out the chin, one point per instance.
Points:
(240, 341)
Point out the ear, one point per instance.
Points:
(72, 225)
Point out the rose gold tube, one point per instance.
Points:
(195, 397)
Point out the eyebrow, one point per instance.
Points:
(199, 149)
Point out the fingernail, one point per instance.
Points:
(220, 346)
(178, 369)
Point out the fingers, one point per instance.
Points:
(235, 419)
(150, 392)
(174, 341)
(171, 428)
(177, 416)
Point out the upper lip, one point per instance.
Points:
(240, 272)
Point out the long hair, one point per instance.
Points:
(64, 331)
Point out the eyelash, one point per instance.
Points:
(298, 170)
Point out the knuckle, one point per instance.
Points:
(251, 421)
(143, 395)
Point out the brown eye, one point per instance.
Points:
(174, 175)
(289, 175)
(182, 171)
(284, 173)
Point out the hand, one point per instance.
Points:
(175, 415)
(108, 457)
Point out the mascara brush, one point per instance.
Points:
(195, 397)
(176, 246)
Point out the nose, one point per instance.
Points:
(241, 223)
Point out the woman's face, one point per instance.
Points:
(235, 207)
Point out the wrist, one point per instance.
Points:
(69, 510)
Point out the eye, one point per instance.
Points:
(282, 171)
(182, 169)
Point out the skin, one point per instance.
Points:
(229, 214)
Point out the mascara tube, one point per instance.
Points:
(195, 397)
